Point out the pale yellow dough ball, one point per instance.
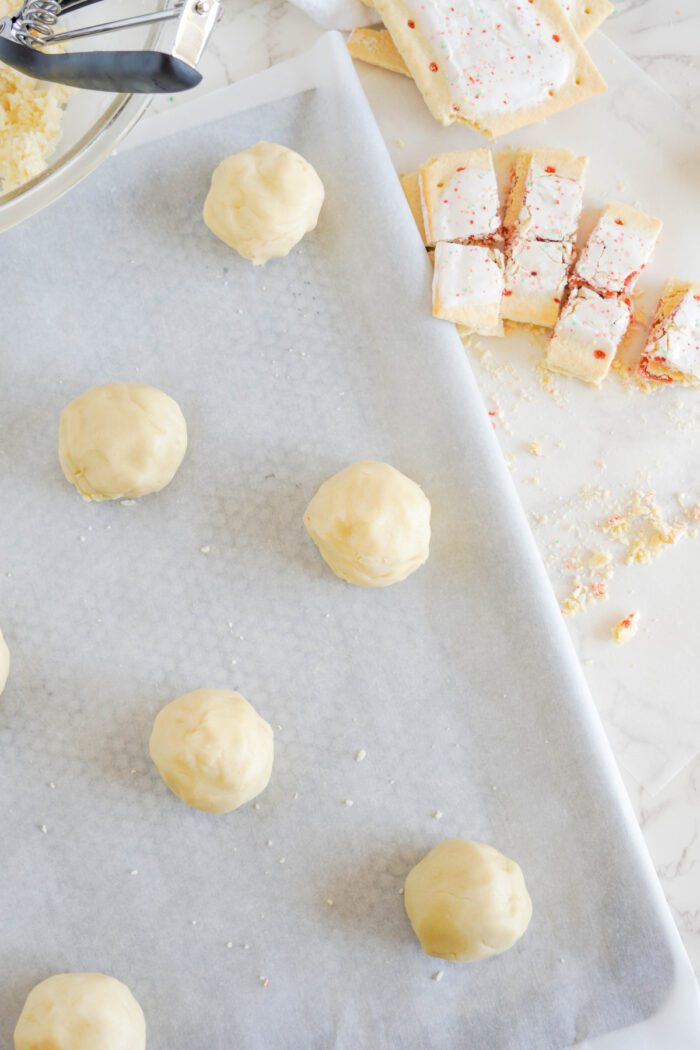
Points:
(371, 524)
(121, 441)
(263, 200)
(81, 1011)
(466, 901)
(212, 749)
(4, 663)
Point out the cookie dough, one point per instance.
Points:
(4, 663)
(466, 901)
(371, 524)
(263, 200)
(212, 749)
(81, 1011)
(121, 441)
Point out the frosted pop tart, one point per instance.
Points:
(588, 334)
(376, 47)
(496, 65)
(546, 195)
(468, 286)
(535, 278)
(459, 197)
(617, 250)
(672, 352)
(411, 189)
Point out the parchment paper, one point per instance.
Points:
(460, 684)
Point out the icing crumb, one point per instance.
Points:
(264, 981)
(330, 902)
(360, 755)
(534, 448)
(438, 975)
(437, 814)
(205, 549)
(43, 829)
(348, 802)
(626, 628)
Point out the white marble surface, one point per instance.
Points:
(663, 36)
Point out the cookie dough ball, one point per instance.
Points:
(212, 749)
(263, 200)
(371, 524)
(4, 663)
(81, 1011)
(466, 901)
(121, 441)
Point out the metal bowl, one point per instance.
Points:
(93, 124)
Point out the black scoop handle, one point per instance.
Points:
(133, 72)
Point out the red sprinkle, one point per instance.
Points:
(600, 354)
(507, 292)
(550, 170)
(411, 24)
(460, 169)
(556, 38)
(433, 67)
(556, 300)
(619, 222)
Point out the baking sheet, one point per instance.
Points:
(609, 442)
(461, 684)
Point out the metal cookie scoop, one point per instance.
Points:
(24, 38)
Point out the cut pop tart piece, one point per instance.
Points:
(618, 249)
(411, 189)
(468, 286)
(546, 195)
(459, 196)
(496, 65)
(535, 279)
(672, 352)
(376, 47)
(588, 334)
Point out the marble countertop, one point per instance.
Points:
(663, 36)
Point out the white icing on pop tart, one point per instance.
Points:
(468, 285)
(618, 249)
(465, 207)
(551, 206)
(588, 334)
(493, 56)
(535, 278)
(673, 349)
